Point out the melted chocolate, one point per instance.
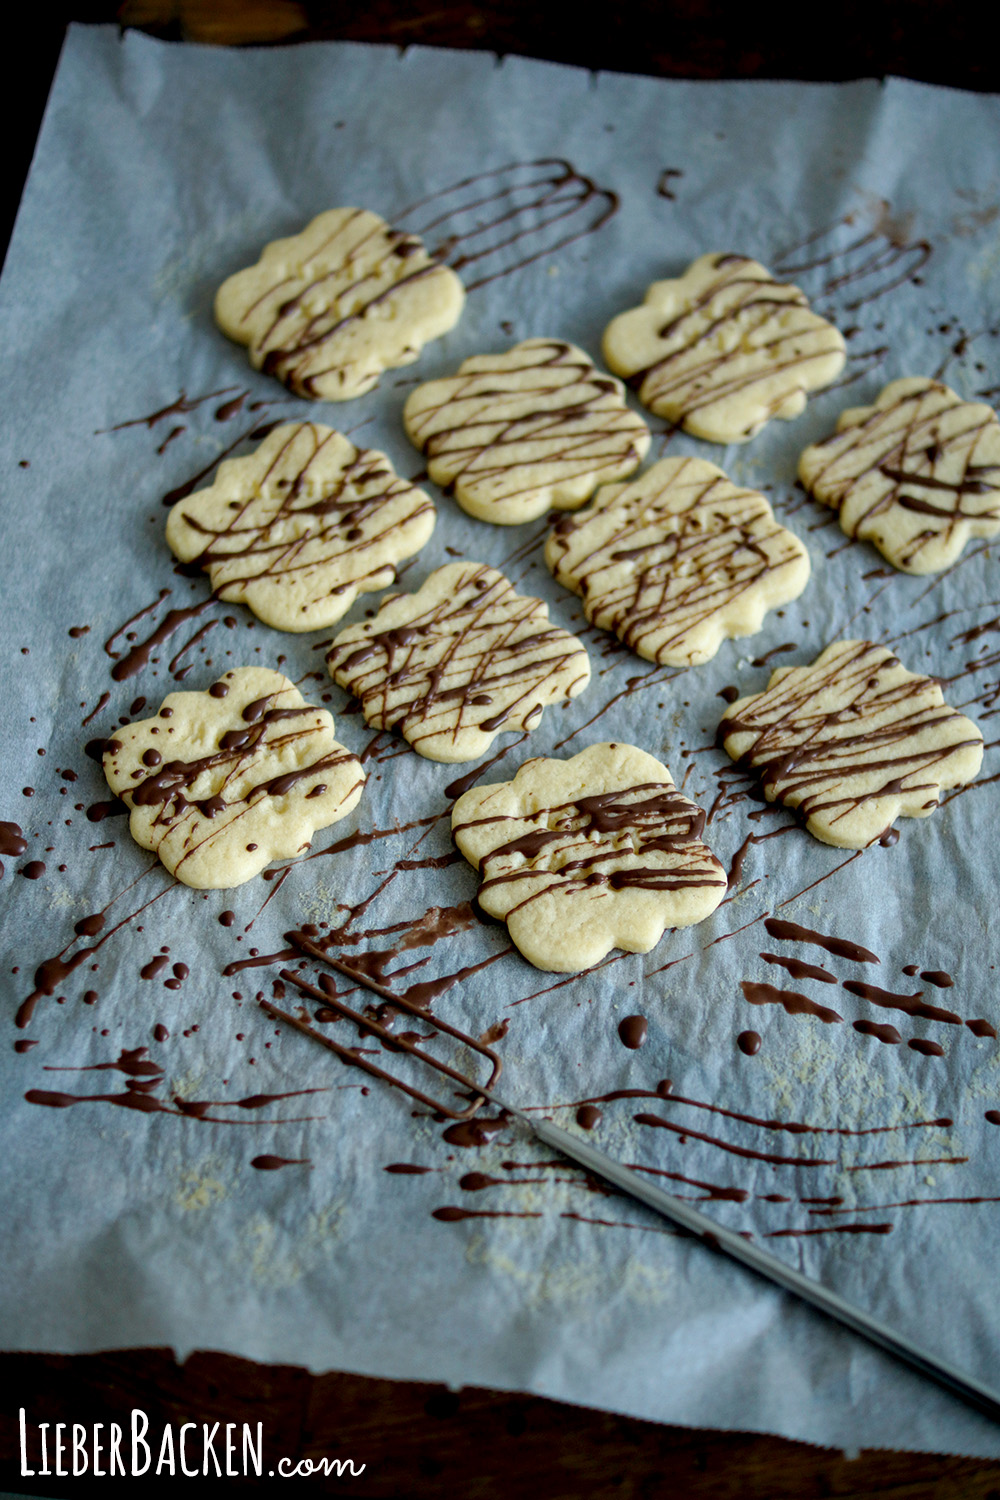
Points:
(887, 736)
(494, 223)
(453, 1215)
(654, 817)
(462, 784)
(183, 405)
(791, 1001)
(300, 525)
(474, 1132)
(872, 263)
(257, 433)
(52, 972)
(446, 670)
(12, 841)
(777, 927)
(798, 969)
(129, 663)
(664, 1093)
(881, 1032)
(664, 183)
(927, 1048)
(633, 1031)
(747, 1151)
(665, 567)
(910, 1005)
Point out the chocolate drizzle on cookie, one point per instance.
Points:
(917, 473)
(204, 813)
(852, 738)
(301, 527)
(475, 659)
(312, 307)
(580, 845)
(678, 560)
(739, 339)
(518, 433)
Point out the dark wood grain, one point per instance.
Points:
(423, 1439)
(475, 1444)
(684, 39)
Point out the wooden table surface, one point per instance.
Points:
(424, 1440)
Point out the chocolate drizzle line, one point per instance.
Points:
(875, 261)
(183, 405)
(784, 931)
(733, 334)
(791, 1001)
(656, 678)
(482, 658)
(747, 1151)
(918, 450)
(295, 524)
(352, 1056)
(672, 569)
(462, 784)
(52, 972)
(664, 1093)
(496, 222)
(888, 734)
(571, 843)
(129, 663)
(257, 433)
(513, 433)
(12, 842)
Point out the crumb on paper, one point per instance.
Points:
(280, 1257)
(199, 1186)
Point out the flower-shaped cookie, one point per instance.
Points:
(853, 742)
(678, 561)
(918, 473)
(222, 782)
(724, 348)
(302, 526)
(584, 855)
(329, 309)
(457, 663)
(524, 432)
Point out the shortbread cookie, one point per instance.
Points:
(853, 741)
(220, 783)
(678, 561)
(302, 526)
(918, 473)
(524, 432)
(584, 855)
(724, 348)
(459, 662)
(329, 309)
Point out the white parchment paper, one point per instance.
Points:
(159, 171)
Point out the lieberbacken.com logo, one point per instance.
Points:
(194, 1450)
